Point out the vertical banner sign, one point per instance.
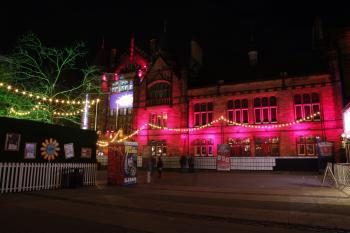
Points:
(122, 163)
(130, 162)
(223, 158)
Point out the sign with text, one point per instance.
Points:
(325, 148)
(223, 157)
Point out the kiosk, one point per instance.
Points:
(122, 163)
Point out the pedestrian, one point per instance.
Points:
(149, 169)
(154, 163)
(160, 167)
(191, 164)
(183, 163)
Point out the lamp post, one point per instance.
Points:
(85, 120)
(97, 101)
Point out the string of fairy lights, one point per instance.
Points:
(221, 118)
(38, 107)
(45, 99)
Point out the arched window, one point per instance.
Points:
(297, 99)
(315, 98)
(257, 102)
(159, 94)
(244, 103)
(306, 99)
(265, 102)
(237, 104)
(273, 101)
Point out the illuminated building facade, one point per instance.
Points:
(282, 116)
(115, 111)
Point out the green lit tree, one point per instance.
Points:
(51, 72)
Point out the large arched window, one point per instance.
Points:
(159, 94)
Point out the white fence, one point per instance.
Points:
(342, 173)
(20, 177)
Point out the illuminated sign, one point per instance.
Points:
(346, 119)
(121, 100)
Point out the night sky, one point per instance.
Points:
(222, 29)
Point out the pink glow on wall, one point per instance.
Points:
(346, 119)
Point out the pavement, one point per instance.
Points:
(185, 202)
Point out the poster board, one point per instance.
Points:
(223, 157)
(325, 149)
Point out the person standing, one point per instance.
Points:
(160, 167)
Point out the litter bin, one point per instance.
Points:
(72, 177)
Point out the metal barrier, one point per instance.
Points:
(342, 174)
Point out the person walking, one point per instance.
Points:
(191, 164)
(160, 167)
(183, 163)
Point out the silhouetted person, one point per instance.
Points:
(160, 167)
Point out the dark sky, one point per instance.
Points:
(223, 29)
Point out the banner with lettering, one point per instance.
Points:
(223, 157)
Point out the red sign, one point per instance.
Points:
(223, 158)
(325, 148)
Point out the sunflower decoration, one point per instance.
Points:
(49, 149)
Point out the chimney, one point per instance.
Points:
(196, 52)
(113, 57)
(252, 53)
(153, 45)
(283, 77)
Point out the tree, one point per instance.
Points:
(51, 72)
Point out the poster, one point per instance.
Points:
(122, 163)
(85, 152)
(223, 157)
(69, 150)
(130, 162)
(30, 150)
(325, 148)
(12, 141)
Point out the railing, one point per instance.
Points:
(236, 163)
(342, 174)
(20, 177)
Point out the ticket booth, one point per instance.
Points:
(122, 163)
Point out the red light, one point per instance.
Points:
(104, 78)
(116, 77)
(140, 73)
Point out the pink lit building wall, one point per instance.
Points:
(163, 99)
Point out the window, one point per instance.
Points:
(159, 148)
(203, 113)
(239, 146)
(159, 94)
(159, 119)
(267, 146)
(306, 106)
(203, 147)
(265, 110)
(237, 111)
(306, 146)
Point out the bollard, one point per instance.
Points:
(148, 177)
